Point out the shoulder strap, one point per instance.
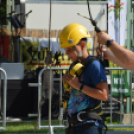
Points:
(89, 61)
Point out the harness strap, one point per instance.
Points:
(90, 60)
(94, 114)
(105, 127)
(68, 129)
(83, 123)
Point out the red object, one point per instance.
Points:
(114, 6)
(4, 46)
(111, 6)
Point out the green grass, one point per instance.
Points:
(121, 129)
(117, 123)
(28, 127)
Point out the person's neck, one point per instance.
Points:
(84, 57)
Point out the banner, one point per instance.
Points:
(34, 50)
(117, 11)
(4, 46)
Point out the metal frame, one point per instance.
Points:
(4, 99)
(121, 97)
(64, 2)
(61, 125)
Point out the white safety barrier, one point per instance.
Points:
(39, 85)
(61, 125)
(4, 99)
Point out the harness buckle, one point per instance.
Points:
(78, 115)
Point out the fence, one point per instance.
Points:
(121, 100)
(4, 99)
(61, 125)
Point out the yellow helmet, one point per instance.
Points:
(72, 34)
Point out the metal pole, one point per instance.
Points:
(111, 110)
(60, 98)
(128, 43)
(50, 97)
(121, 96)
(4, 99)
(39, 95)
(131, 101)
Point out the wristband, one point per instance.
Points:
(81, 87)
(109, 42)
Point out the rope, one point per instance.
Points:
(40, 104)
(48, 63)
(89, 11)
(97, 29)
(50, 23)
(93, 21)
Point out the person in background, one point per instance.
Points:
(119, 55)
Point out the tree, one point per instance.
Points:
(3, 12)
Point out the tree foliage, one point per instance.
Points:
(3, 11)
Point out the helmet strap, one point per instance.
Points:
(79, 53)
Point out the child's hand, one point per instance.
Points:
(65, 76)
(73, 81)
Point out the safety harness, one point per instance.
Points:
(79, 118)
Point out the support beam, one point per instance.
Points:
(129, 46)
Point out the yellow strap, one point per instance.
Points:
(100, 113)
(76, 68)
(98, 106)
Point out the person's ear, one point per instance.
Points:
(83, 44)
